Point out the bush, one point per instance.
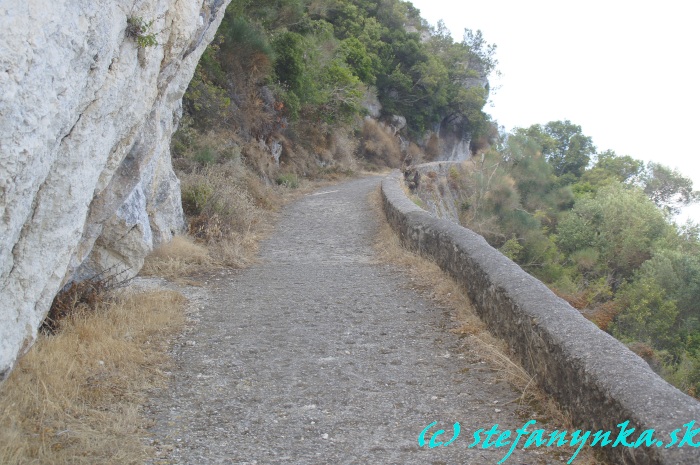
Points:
(227, 208)
(205, 156)
(195, 197)
(81, 296)
(288, 180)
(139, 29)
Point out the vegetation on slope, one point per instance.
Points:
(282, 94)
(301, 73)
(597, 228)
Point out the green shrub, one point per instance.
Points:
(195, 197)
(139, 29)
(206, 156)
(288, 180)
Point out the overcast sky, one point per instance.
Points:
(626, 72)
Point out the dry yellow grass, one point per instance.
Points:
(177, 258)
(75, 397)
(379, 146)
(427, 277)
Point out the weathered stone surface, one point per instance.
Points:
(439, 195)
(454, 141)
(398, 122)
(370, 102)
(592, 375)
(85, 123)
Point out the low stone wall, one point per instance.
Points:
(592, 375)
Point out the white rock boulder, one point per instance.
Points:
(86, 117)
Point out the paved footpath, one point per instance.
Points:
(321, 355)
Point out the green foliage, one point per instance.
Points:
(207, 101)
(318, 60)
(243, 44)
(363, 64)
(288, 180)
(270, 14)
(609, 165)
(205, 156)
(140, 30)
(482, 54)
(289, 65)
(649, 315)
(341, 92)
(598, 234)
(195, 197)
(564, 147)
(512, 249)
(619, 222)
(668, 188)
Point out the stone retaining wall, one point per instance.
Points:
(593, 376)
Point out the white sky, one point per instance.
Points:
(622, 70)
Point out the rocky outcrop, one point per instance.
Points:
(455, 140)
(437, 190)
(86, 117)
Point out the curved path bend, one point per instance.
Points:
(321, 355)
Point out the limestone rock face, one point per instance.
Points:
(86, 118)
(454, 140)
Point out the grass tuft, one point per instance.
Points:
(179, 257)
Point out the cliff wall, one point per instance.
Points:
(86, 117)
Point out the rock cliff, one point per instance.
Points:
(86, 116)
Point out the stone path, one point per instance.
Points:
(321, 355)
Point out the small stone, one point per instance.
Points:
(324, 436)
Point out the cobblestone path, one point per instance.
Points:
(321, 355)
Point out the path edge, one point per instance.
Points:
(593, 376)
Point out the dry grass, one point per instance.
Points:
(179, 257)
(229, 209)
(427, 277)
(75, 397)
(379, 146)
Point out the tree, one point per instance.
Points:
(564, 146)
(620, 223)
(289, 65)
(668, 188)
(649, 315)
(609, 165)
(482, 54)
(362, 63)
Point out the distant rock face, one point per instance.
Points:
(455, 142)
(86, 118)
